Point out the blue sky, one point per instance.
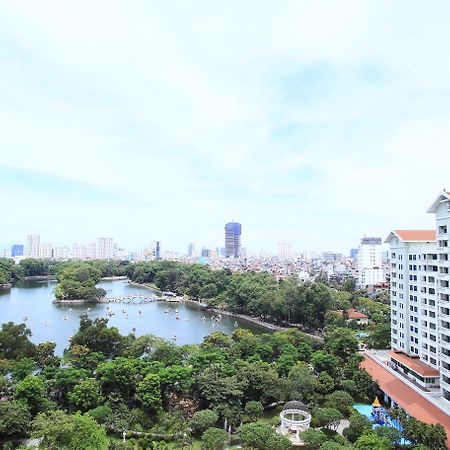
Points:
(314, 122)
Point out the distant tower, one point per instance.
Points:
(105, 248)
(46, 251)
(370, 271)
(156, 249)
(233, 240)
(285, 251)
(17, 250)
(33, 245)
(191, 249)
(91, 251)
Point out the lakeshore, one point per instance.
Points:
(180, 299)
(31, 302)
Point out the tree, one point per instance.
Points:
(218, 388)
(433, 436)
(331, 445)
(176, 378)
(328, 417)
(149, 392)
(15, 419)
(341, 342)
(380, 337)
(259, 381)
(254, 410)
(45, 354)
(324, 383)
(340, 400)
(4, 276)
(358, 425)
(390, 433)
(260, 436)
(86, 395)
(31, 390)
(14, 342)
(22, 367)
(371, 441)
(77, 281)
(300, 383)
(324, 362)
(349, 284)
(213, 439)
(313, 437)
(97, 337)
(62, 431)
(202, 420)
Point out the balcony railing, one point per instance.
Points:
(445, 357)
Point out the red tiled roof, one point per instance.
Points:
(415, 364)
(417, 235)
(353, 314)
(412, 402)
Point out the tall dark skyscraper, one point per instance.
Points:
(233, 240)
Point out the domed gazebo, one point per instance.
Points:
(294, 418)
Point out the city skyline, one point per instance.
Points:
(43, 248)
(315, 133)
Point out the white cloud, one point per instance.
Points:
(197, 112)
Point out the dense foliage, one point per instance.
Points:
(157, 391)
(77, 281)
(258, 294)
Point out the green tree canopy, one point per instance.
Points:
(62, 431)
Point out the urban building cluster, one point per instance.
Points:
(103, 248)
(367, 263)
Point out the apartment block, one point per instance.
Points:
(420, 301)
(369, 259)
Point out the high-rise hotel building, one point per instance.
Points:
(420, 301)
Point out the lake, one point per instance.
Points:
(33, 301)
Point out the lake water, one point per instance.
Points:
(57, 322)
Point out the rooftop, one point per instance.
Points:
(414, 364)
(416, 235)
(408, 399)
(354, 314)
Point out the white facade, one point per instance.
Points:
(420, 293)
(61, 253)
(91, 251)
(79, 251)
(105, 248)
(285, 251)
(33, 246)
(46, 251)
(370, 271)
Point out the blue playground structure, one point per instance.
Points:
(379, 417)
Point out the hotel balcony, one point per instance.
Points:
(445, 345)
(445, 316)
(444, 357)
(444, 371)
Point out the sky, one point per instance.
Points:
(313, 122)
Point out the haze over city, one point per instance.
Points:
(305, 122)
